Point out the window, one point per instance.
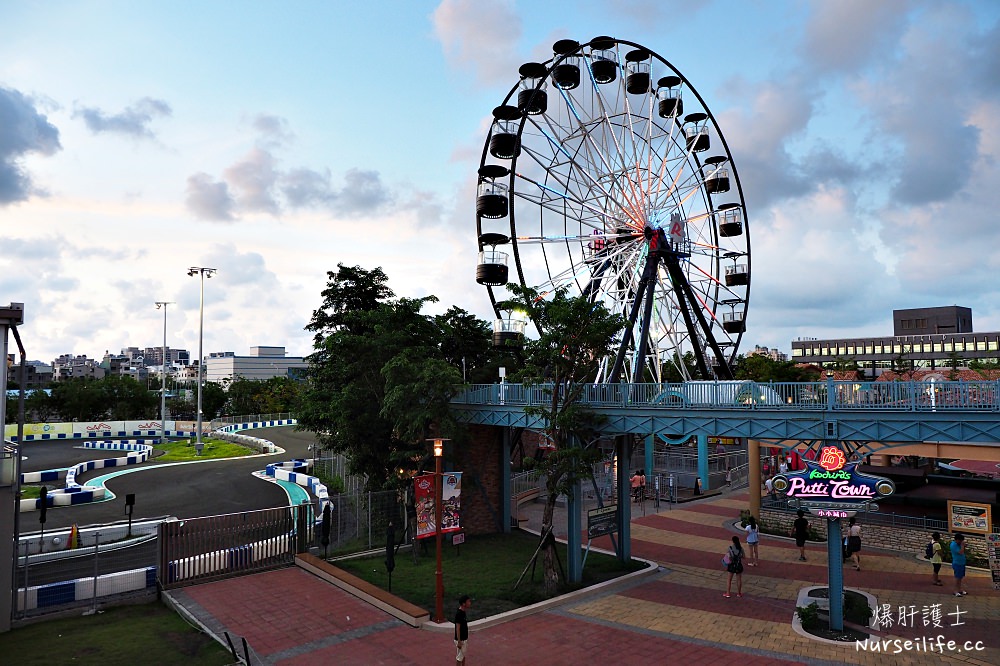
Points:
(906, 324)
(921, 323)
(992, 345)
(796, 352)
(878, 349)
(841, 350)
(959, 346)
(937, 346)
(927, 347)
(980, 345)
(907, 348)
(869, 349)
(850, 349)
(897, 349)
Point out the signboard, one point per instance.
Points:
(451, 492)
(832, 484)
(458, 538)
(993, 552)
(601, 521)
(969, 517)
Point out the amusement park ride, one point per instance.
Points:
(604, 172)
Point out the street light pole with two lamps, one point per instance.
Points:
(204, 272)
(163, 373)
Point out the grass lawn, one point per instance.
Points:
(121, 636)
(484, 567)
(183, 450)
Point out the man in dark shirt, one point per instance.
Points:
(800, 530)
(462, 630)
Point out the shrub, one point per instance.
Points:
(808, 615)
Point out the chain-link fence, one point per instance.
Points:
(360, 521)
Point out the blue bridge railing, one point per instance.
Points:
(913, 396)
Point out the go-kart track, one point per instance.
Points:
(181, 490)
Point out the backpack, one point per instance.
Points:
(929, 550)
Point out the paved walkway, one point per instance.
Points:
(676, 616)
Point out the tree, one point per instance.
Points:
(466, 344)
(575, 336)
(125, 399)
(378, 384)
(213, 399)
(759, 368)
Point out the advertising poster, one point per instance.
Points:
(993, 551)
(969, 517)
(423, 494)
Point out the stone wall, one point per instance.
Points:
(880, 537)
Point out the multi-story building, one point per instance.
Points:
(923, 338)
(773, 354)
(175, 357)
(36, 373)
(262, 363)
(68, 366)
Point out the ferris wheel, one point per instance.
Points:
(605, 173)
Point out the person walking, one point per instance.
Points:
(462, 630)
(854, 542)
(635, 481)
(642, 485)
(753, 537)
(800, 530)
(958, 564)
(936, 549)
(735, 568)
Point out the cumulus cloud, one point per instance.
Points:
(255, 184)
(23, 130)
(209, 199)
(253, 179)
(133, 121)
(273, 130)
(479, 35)
(848, 35)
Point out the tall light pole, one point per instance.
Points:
(203, 272)
(163, 373)
(438, 575)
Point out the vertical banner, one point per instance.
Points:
(423, 493)
(451, 506)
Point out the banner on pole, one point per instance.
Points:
(451, 492)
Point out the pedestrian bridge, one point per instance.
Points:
(934, 418)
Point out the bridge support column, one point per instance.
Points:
(650, 445)
(574, 540)
(835, 567)
(505, 494)
(623, 453)
(753, 476)
(703, 461)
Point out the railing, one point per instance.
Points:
(878, 517)
(910, 396)
(522, 482)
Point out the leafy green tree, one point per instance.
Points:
(760, 368)
(378, 384)
(125, 399)
(466, 344)
(576, 335)
(213, 399)
(79, 399)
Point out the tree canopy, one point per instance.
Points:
(382, 375)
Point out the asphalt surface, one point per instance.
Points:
(187, 490)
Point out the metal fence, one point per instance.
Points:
(58, 570)
(333, 466)
(197, 550)
(360, 521)
(883, 518)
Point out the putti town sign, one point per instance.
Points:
(831, 486)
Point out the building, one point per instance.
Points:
(68, 366)
(773, 354)
(262, 363)
(175, 357)
(36, 373)
(925, 338)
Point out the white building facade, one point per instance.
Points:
(262, 363)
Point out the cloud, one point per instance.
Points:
(363, 192)
(23, 130)
(847, 35)
(304, 187)
(208, 199)
(253, 179)
(133, 121)
(273, 130)
(478, 35)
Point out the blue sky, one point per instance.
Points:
(138, 139)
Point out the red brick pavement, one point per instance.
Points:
(291, 617)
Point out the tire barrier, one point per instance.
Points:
(74, 493)
(293, 471)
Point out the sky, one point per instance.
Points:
(274, 141)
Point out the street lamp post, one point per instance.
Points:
(438, 575)
(203, 272)
(163, 373)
